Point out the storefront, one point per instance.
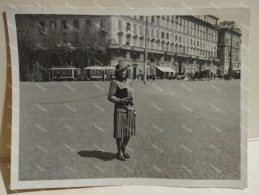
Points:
(164, 72)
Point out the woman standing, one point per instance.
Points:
(120, 93)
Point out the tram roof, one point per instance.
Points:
(63, 68)
(99, 67)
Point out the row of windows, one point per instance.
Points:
(64, 25)
(183, 26)
(235, 40)
(234, 57)
(176, 39)
(168, 47)
(209, 19)
(178, 19)
(55, 72)
(234, 51)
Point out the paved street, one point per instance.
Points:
(185, 130)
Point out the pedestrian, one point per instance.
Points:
(120, 93)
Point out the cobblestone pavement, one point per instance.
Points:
(185, 130)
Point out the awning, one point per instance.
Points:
(165, 69)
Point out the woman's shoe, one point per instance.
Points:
(120, 157)
(126, 155)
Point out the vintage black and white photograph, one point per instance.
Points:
(129, 96)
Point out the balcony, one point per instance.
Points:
(157, 51)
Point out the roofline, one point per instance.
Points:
(214, 17)
(201, 20)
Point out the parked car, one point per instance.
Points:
(235, 74)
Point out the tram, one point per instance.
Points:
(64, 73)
(98, 73)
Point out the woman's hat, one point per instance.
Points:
(121, 66)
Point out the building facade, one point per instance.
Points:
(229, 47)
(178, 42)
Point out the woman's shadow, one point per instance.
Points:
(105, 156)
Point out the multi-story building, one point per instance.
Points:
(178, 42)
(229, 44)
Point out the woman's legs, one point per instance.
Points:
(119, 145)
(124, 145)
(120, 155)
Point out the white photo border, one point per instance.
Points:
(42, 184)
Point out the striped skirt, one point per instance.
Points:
(124, 124)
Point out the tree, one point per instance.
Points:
(28, 41)
(36, 43)
(93, 44)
